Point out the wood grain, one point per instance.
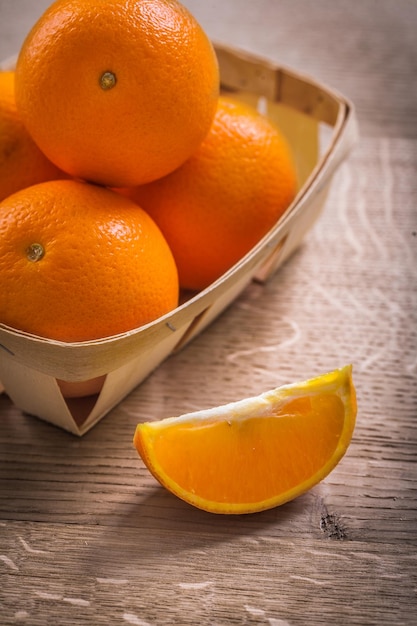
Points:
(86, 534)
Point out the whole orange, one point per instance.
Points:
(220, 203)
(81, 262)
(118, 92)
(21, 162)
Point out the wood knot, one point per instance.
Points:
(331, 526)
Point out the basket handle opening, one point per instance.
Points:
(193, 329)
(271, 262)
(81, 397)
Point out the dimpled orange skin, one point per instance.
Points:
(106, 267)
(221, 202)
(21, 162)
(152, 119)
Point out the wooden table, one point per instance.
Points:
(86, 534)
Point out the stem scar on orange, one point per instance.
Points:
(80, 262)
(118, 92)
(256, 453)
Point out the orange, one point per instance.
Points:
(224, 199)
(21, 162)
(118, 92)
(81, 262)
(256, 453)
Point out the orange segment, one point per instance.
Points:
(256, 453)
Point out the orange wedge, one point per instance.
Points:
(257, 453)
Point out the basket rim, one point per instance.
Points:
(279, 72)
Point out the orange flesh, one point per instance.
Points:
(268, 455)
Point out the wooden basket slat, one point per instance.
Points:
(240, 71)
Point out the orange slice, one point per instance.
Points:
(257, 453)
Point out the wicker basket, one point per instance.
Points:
(307, 112)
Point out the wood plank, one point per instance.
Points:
(161, 577)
